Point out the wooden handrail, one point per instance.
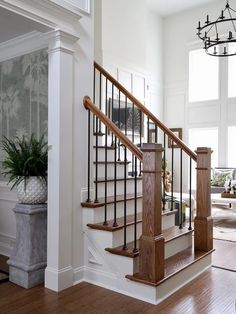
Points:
(147, 112)
(88, 104)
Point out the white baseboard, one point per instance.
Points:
(58, 280)
(6, 244)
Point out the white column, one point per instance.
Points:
(59, 272)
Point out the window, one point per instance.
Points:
(231, 146)
(232, 74)
(203, 76)
(205, 137)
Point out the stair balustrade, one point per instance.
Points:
(124, 126)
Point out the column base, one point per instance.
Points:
(151, 258)
(203, 233)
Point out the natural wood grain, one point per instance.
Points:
(203, 223)
(88, 104)
(168, 234)
(151, 256)
(110, 200)
(145, 110)
(224, 255)
(174, 265)
(211, 293)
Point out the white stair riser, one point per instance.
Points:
(177, 245)
(110, 171)
(96, 215)
(101, 154)
(113, 239)
(119, 188)
(168, 221)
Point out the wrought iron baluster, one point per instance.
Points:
(164, 174)
(148, 129)
(135, 207)
(94, 95)
(89, 157)
(181, 190)
(156, 133)
(96, 164)
(100, 100)
(172, 175)
(112, 111)
(119, 126)
(106, 135)
(133, 138)
(140, 139)
(115, 183)
(125, 199)
(190, 194)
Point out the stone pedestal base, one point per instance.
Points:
(28, 259)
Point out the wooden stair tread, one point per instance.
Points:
(120, 223)
(110, 200)
(102, 180)
(174, 265)
(168, 234)
(111, 162)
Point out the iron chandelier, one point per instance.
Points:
(215, 44)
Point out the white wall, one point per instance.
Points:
(129, 44)
(180, 37)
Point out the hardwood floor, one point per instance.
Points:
(224, 255)
(212, 293)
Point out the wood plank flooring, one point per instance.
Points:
(212, 293)
(224, 255)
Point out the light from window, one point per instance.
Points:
(203, 76)
(232, 73)
(231, 146)
(205, 137)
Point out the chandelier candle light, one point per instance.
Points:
(215, 44)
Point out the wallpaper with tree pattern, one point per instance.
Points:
(23, 97)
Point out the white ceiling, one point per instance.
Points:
(168, 7)
(13, 25)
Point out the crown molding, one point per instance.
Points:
(74, 6)
(45, 12)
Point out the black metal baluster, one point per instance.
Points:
(140, 139)
(133, 138)
(89, 157)
(125, 199)
(190, 194)
(115, 182)
(96, 164)
(156, 133)
(106, 131)
(119, 127)
(181, 189)
(94, 95)
(135, 207)
(164, 174)
(172, 175)
(100, 100)
(112, 112)
(148, 129)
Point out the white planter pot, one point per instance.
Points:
(34, 191)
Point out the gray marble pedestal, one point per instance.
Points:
(29, 256)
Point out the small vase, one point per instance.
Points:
(33, 191)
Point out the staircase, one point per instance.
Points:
(138, 240)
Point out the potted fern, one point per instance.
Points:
(26, 167)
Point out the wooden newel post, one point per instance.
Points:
(151, 257)
(203, 224)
